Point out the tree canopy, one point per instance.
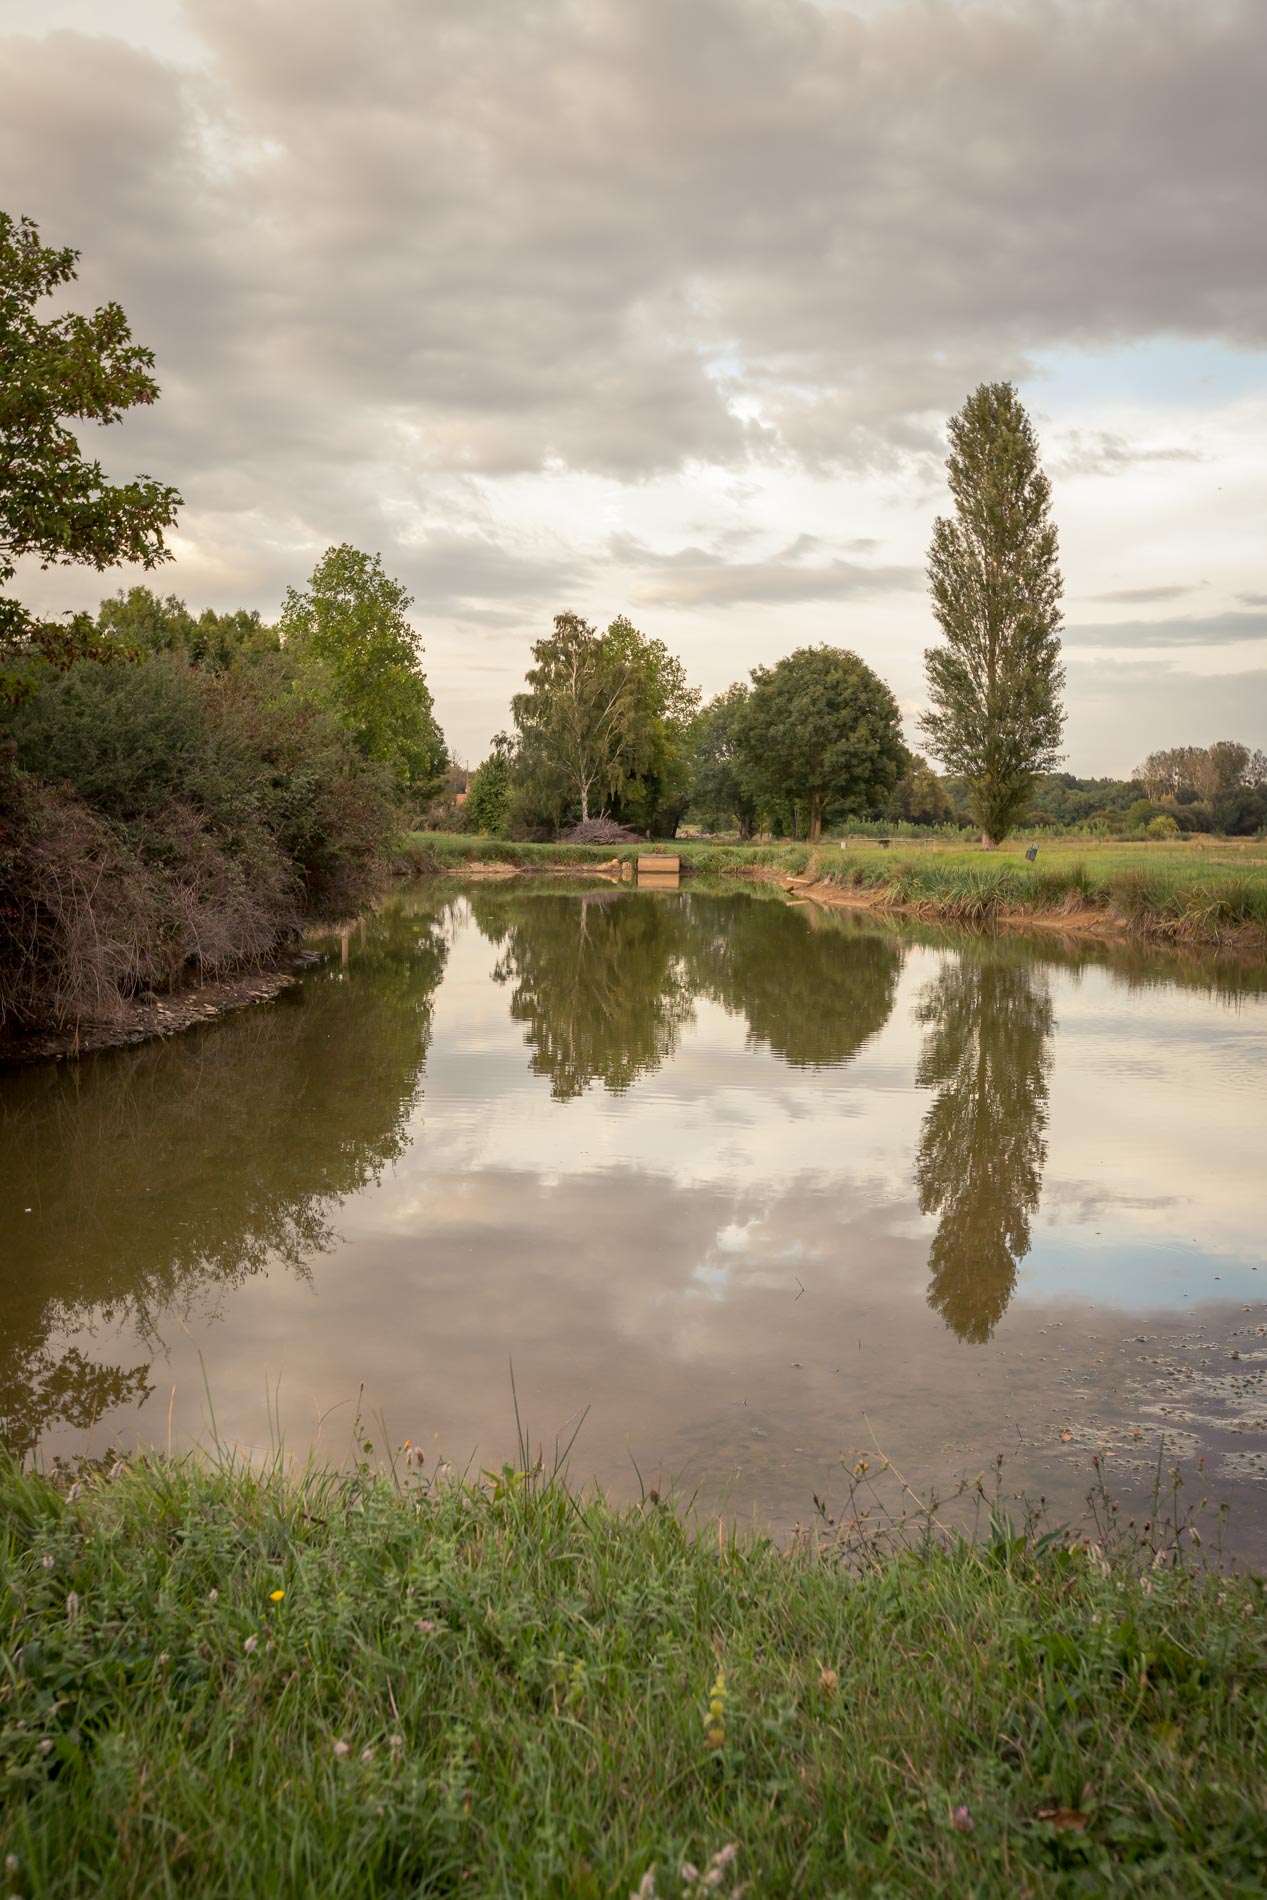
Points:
(139, 622)
(721, 784)
(603, 722)
(349, 634)
(994, 715)
(822, 727)
(56, 504)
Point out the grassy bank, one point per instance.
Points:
(223, 1683)
(1173, 891)
(443, 851)
(1197, 893)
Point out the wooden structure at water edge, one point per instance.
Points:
(659, 864)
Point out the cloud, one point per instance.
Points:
(695, 577)
(1138, 596)
(1183, 630)
(1100, 452)
(1253, 600)
(629, 239)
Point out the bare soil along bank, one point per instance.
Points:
(166, 1015)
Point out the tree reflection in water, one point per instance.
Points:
(598, 981)
(605, 984)
(160, 1174)
(989, 1021)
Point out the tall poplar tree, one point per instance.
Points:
(995, 717)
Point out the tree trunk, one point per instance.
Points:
(815, 818)
(585, 803)
(987, 842)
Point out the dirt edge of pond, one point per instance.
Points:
(1098, 922)
(159, 1016)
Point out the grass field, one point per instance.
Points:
(219, 1682)
(1195, 891)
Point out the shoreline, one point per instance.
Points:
(1100, 923)
(166, 1015)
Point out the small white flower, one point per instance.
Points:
(46, 1563)
(45, 1745)
(250, 1643)
(367, 1754)
(398, 1741)
(162, 1659)
(342, 1748)
(10, 1863)
(213, 1596)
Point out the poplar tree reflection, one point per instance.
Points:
(166, 1174)
(598, 980)
(989, 1019)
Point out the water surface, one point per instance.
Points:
(763, 1187)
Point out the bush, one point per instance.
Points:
(1163, 826)
(160, 821)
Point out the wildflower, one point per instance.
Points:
(163, 1659)
(213, 1596)
(424, 1625)
(342, 1748)
(397, 1741)
(275, 1596)
(962, 1820)
(367, 1754)
(10, 1863)
(715, 1721)
(46, 1563)
(45, 1745)
(646, 1887)
(250, 1643)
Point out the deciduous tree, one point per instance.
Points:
(55, 502)
(349, 633)
(995, 716)
(821, 726)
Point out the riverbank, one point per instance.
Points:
(138, 1019)
(227, 1682)
(1214, 894)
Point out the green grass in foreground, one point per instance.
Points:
(224, 1683)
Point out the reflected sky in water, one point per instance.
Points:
(752, 1181)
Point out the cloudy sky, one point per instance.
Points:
(660, 306)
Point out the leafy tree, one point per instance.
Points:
(488, 797)
(982, 1147)
(138, 621)
(919, 797)
(604, 719)
(55, 504)
(994, 688)
(720, 787)
(821, 726)
(358, 654)
(1163, 826)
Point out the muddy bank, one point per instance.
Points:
(144, 1017)
(1087, 922)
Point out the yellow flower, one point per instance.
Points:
(275, 1596)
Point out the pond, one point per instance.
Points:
(749, 1190)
